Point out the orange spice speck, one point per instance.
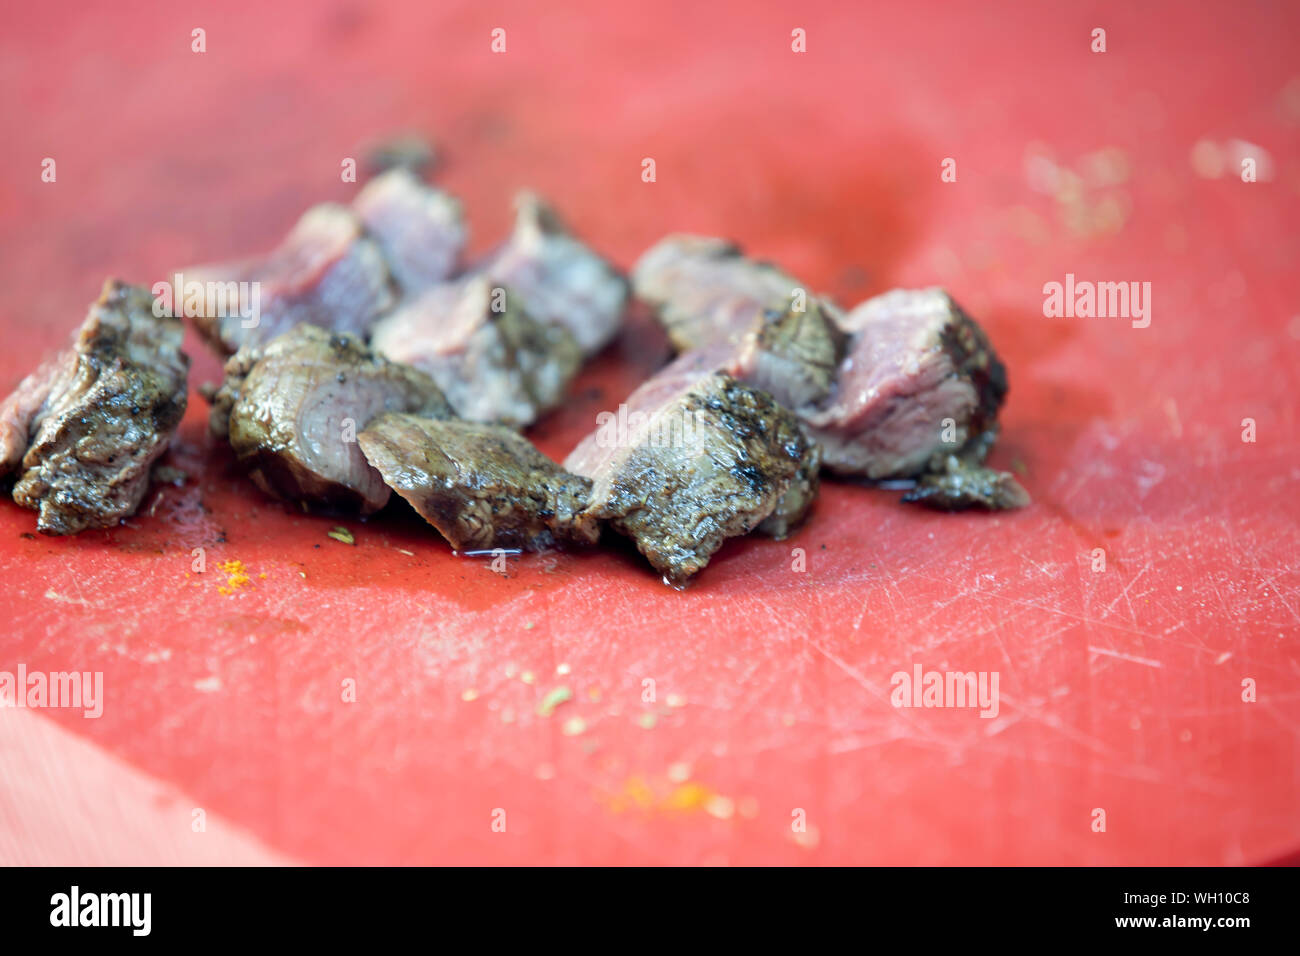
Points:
(236, 577)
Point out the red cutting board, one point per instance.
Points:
(1121, 689)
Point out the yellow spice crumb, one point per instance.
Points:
(236, 577)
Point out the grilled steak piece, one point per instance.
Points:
(917, 371)
(966, 484)
(792, 353)
(493, 361)
(327, 272)
(482, 486)
(693, 458)
(419, 229)
(704, 290)
(878, 403)
(82, 432)
(706, 293)
(559, 280)
(292, 409)
(337, 267)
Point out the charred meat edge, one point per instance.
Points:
(680, 500)
(83, 432)
(493, 361)
(482, 486)
(275, 399)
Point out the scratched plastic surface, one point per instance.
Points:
(1119, 689)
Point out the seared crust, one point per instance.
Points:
(493, 361)
(708, 458)
(482, 486)
(293, 409)
(95, 420)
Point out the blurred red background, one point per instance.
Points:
(1120, 690)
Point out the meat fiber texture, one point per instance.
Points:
(506, 337)
(419, 229)
(493, 361)
(705, 290)
(559, 280)
(82, 432)
(482, 486)
(919, 382)
(791, 351)
(904, 386)
(327, 273)
(694, 458)
(340, 267)
(292, 411)
(503, 338)
(765, 328)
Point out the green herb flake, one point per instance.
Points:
(341, 533)
(554, 699)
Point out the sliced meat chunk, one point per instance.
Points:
(705, 290)
(792, 353)
(559, 279)
(493, 361)
(482, 486)
(919, 381)
(419, 229)
(693, 458)
(741, 363)
(706, 293)
(82, 433)
(327, 273)
(292, 411)
(915, 381)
